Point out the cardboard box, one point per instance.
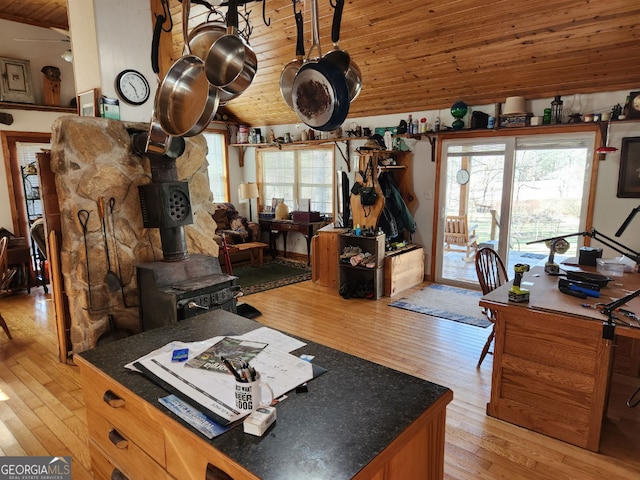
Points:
(403, 269)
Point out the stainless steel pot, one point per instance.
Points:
(186, 102)
(231, 63)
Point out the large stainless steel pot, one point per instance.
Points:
(186, 102)
(231, 63)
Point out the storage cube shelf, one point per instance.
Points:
(355, 277)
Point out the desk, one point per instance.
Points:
(393, 428)
(551, 366)
(18, 253)
(274, 227)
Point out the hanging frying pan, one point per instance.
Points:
(341, 58)
(186, 102)
(320, 92)
(290, 70)
(231, 63)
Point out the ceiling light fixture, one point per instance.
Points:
(67, 55)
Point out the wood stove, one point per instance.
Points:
(172, 291)
(182, 285)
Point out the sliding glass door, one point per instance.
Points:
(506, 193)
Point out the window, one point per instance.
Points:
(294, 174)
(218, 165)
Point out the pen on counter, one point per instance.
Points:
(227, 364)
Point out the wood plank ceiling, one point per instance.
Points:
(422, 55)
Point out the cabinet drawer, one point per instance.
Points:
(190, 456)
(103, 469)
(134, 418)
(121, 451)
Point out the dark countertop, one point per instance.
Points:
(348, 416)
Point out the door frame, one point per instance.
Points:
(438, 219)
(14, 177)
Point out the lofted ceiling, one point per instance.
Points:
(426, 54)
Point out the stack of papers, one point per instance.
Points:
(212, 389)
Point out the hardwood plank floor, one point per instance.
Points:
(42, 412)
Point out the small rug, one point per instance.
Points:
(450, 303)
(273, 274)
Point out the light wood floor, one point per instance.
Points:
(42, 413)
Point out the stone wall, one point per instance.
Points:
(92, 158)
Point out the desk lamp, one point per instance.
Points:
(593, 233)
(247, 191)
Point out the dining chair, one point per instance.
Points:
(4, 279)
(491, 274)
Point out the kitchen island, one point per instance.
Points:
(358, 420)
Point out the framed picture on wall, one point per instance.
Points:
(629, 175)
(88, 103)
(16, 84)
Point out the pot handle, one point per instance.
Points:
(299, 35)
(337, 19)
(232, 17)
(315, 30)
(186, 9)
(155, 43)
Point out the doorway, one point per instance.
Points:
(513, 193)
(19, 149)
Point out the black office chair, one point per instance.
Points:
(491, 274)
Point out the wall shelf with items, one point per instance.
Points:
(361, 281)
(241, 146)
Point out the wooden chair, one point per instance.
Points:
(5, 279)
(491, 274)
(459, 238)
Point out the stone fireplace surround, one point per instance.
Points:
(92, 158)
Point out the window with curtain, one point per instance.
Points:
(218, 165)
(294, 174)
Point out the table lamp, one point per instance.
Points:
(247, 191)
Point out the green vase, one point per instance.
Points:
(459, 110)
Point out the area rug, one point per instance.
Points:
(450, 303)
(272, 274)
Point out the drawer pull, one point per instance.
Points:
(118, 475)
(215, 473)
(112, 399)
(117, 439)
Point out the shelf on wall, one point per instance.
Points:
(31, 106)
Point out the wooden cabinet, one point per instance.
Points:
(403, 269)
(359, 277)
(324, 256)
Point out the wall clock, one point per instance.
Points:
(634, 105)
(132, 87)
(462, 177)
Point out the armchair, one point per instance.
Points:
(236, 228)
